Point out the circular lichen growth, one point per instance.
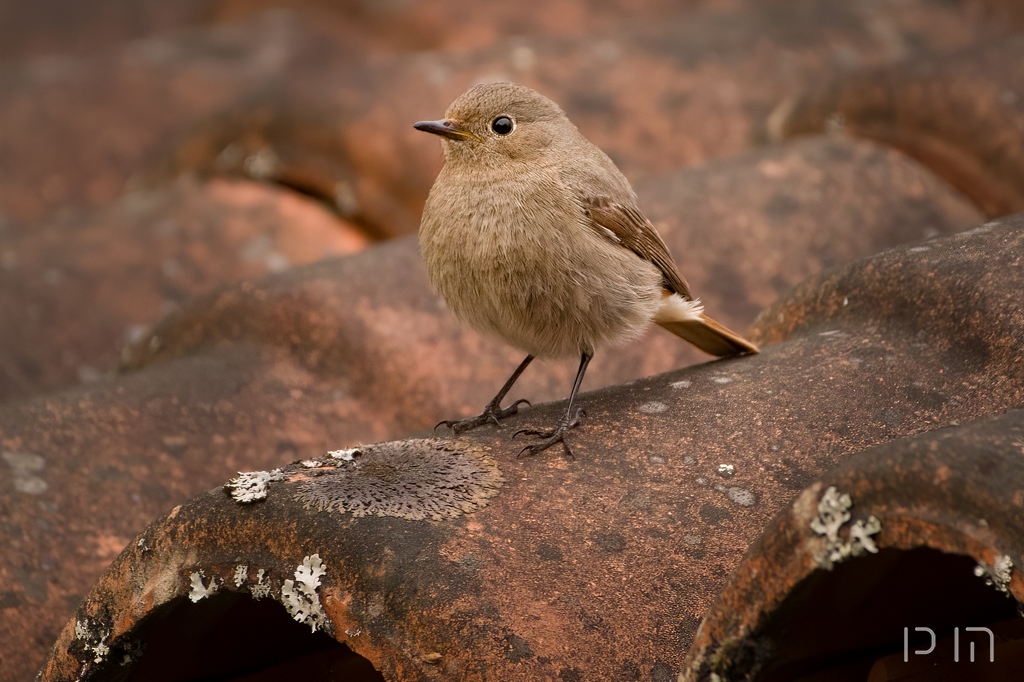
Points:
(410, 479)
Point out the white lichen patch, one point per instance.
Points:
(252, 486)
(93, 639)
(241, 574)
(260, 590)
(82, 629)
(997, 575)
(833, 513)
(722, 380)
(101, 650)
(684, 383)
(299, 596)
(198, 591)
(345, 455)
(653, 407)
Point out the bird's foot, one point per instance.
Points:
(551, 436)
(491, 415)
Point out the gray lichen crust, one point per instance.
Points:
(833, 513)
(411, 479)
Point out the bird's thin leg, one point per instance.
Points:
(568, 420)
(493, 411)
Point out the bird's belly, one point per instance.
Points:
(550, 299)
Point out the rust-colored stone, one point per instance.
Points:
(1006, 11)
(74, 290)
(463, 24)
(48, 27)
(957, 491)
(75, 131)
(151, 251)
(602, 566)
(744, 231)
(358, 350)
(656, 94)
(51, 26)
(92, 465)
(961, 115)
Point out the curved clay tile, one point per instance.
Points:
(744, 232)
(921, 533)
(358, 350)
(962, 115)
(296, 101)
(602, 566)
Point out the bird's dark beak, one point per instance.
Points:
(445, 128)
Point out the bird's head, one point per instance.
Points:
(496, 122)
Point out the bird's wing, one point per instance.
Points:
(614, 216)
(626, 225)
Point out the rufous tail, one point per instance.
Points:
(686, 319)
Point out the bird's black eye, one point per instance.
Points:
(502, 125)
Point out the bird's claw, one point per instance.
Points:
(551, 436)
(493, 413)
(537, 448)
(444, 422)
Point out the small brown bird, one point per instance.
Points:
(531, 234)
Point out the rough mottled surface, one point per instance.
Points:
(655, 94)
(132, 101)
(304, 102)
(681, 88)
(358, 350)
(108, 148)
(743, 231)
(47, 26)
(962, 115)
(607, 563)
(958, 490)
(77, 289)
